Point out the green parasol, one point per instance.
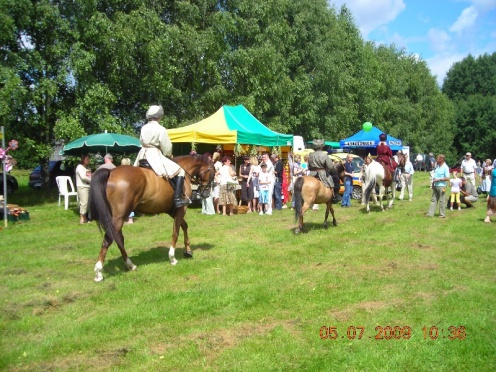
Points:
(102, 143)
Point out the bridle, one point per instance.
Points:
(196, 179)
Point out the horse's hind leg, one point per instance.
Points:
(101, 258)
(300, 218)
(124, 255)
(107, 241)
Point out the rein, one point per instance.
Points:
(196, 180)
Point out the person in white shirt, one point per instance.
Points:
(419, 160)
(469, 167)
(270, 170)
(407, 177)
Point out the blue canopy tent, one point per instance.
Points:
(369, 139)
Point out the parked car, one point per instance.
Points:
(357, 166)
(12, 184)
(55, 168)
(457, 167)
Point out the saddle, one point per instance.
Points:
(143, 163)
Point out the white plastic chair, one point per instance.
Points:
(64, 191)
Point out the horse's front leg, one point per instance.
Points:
(327, 213)
(331, 209)
(390, 200)
(178, 218)
(188, 253)
(382, 191)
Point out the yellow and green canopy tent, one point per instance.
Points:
(230, 124)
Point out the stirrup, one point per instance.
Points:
(179, 202)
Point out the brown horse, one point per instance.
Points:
(115, 193)
(309, 190)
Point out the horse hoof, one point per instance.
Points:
(98, 278)
(188, 254)
(173, 262)
(297, 231)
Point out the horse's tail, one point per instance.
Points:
(99, 206)
(298, 199)
(369, 184)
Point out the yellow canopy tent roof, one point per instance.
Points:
(230, 124)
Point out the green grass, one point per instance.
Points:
(255, 296)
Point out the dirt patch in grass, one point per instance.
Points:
(372, 305)
(416, 245)
(101, 360)
(213, 343)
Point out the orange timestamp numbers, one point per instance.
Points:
(391, 333)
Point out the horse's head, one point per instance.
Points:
(200, 170)
(340, 169)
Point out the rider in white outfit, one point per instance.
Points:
(156, 148)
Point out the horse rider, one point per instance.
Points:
(384, 153)
(156, 149)
(322, 167)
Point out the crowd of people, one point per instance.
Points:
(262, 180)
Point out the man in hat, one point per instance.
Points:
(321, 165)
(156, 148)
(468, 167)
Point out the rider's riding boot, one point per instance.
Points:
(179, 201)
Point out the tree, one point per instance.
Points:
(471, 85)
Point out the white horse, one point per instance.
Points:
(379, 174)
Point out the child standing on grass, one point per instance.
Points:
(264, 180)
(455, 183)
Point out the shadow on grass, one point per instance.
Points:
(310, 226)
(115, 266)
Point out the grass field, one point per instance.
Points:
(379, 291)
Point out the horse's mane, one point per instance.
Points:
(198, 157)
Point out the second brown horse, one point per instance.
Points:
(310, 190)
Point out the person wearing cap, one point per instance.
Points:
(468, 168)
(320, 165)
(384, 153)
(107, 162)
(156, 148)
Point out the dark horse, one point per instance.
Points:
(115, 193)
(309, 190)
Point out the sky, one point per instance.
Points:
(440, 32)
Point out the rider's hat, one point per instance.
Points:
(318, 144)
(155, 113)
(383, 137)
